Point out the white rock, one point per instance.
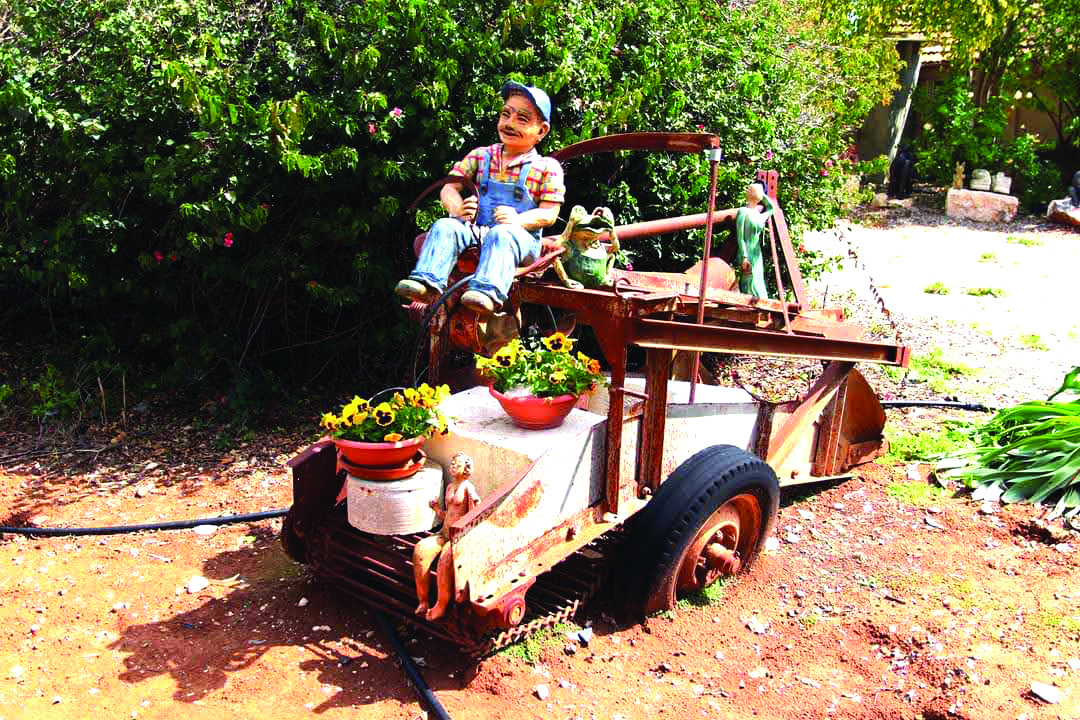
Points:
(1074, 663)
(1064, 548)
(542, 691)
(758, 673)
(806, 514)
(772, 544)
(303, 602)
(205, 530)
(197, 583)
(792, 538)
(1046, 693)
(756, 626)
(16, 672)
(991, 493)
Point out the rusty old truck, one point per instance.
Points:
(663, 485)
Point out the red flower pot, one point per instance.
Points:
(535, 413)
(379, 454)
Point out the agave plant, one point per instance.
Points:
(1031, 452)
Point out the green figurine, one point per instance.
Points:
(749, 226)
(586, 263)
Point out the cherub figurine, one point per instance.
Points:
(586, 263)
(461, 497)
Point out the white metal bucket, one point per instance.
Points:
(395, 507)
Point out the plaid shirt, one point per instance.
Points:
(545, 181)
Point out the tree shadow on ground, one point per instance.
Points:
(274, 615)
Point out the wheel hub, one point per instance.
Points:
(721, 543)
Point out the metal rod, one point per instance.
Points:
(779, 283)
(714, 160)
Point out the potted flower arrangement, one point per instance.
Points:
(538, 382)
(387, 435)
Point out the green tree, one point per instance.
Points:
(217, 189)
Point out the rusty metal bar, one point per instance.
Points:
(615, 351)
(648, 228)
(779, 282)
(708, 338)
(661, 141)
(635, 393)
(780, 228)
(657, 372)
(714, 160)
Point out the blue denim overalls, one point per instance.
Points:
(503, 247)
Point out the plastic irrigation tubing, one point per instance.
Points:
(429, 316)
(978, 407)
(423, 690)
(123, 529)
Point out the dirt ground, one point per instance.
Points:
(872, 604)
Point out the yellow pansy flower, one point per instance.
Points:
(558, 342)
(505, 357)
(329, 421)
(392, 437)
(413, 397)
(384, 414)
(557, 377)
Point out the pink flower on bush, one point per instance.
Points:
(396, 112)
(158, 256)
(769, 155)
(828, 163)
(701, 128)
(228, 239)
(824, 172)
(371, 128)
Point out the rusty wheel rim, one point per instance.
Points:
(724, 542)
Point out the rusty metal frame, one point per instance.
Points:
(651, 311)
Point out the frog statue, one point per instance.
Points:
(586, 263)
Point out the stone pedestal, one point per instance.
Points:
(980, 206)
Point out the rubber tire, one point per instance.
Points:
(661, 532)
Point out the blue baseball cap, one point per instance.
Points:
(539, 98)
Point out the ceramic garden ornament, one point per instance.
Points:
(586, 263)
(460, 497)
(749, 226)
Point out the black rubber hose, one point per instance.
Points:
(123, 529)
(977, 407)
(423, 690)
(428, 316)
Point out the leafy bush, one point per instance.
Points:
(213, 189)
(956, 130)
(1031, 451)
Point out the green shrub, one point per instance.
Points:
(956, 130)
(219, 188)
